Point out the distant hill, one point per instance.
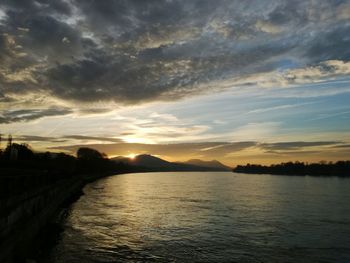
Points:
(212, 164)
(153, 163)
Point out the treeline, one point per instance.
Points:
(340, 168)
(18, 157)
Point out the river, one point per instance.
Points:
(208, 217)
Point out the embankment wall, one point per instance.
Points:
(27, 203)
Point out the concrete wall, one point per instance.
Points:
(27, 202)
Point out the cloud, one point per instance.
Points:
(131, 52)
(91, 138)
(256, 131)
(330, 44)
(325, 71)
(224, 149)
(292, 153)
(274, 108)
(295, 145)
(342, 146)
(33, 138)
(9, 116)
(65, 139)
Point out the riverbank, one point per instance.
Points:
(339, 169)
(28, 202)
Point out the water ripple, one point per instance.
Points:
(208, 217)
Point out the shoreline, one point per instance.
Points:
(32, 212)
(297, 175)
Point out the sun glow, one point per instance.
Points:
(140, 139)
(131, 155)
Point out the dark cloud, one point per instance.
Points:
(67, 138)
(136, 51)
(331, 44)
(289, 12)
(279, 146)
(33, 138)
(38, 6)
(279, 153)
(9, 116)
(91, 138)
(342, 146)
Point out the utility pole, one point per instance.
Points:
(9, 141)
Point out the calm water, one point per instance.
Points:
(208, 217)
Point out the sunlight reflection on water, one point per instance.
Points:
(208, 217)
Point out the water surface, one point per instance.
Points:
(208, 217)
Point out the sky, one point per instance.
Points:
(258, 81)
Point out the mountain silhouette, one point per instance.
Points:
(153, 163)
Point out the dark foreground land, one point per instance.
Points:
(340, 169)
(34, 186)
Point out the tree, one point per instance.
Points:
(89, 154)
(90, 160)
(15, 151)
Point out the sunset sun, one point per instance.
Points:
(131, 156)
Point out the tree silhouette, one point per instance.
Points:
(15, 151)
(91, 160)
(89, 154)
(340, 168)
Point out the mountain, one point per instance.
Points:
(211, 164)
(152, 163)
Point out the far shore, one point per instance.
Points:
(338, 169)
